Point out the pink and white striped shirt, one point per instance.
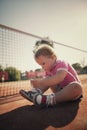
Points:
(71, 73)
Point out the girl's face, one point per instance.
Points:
(46, 62)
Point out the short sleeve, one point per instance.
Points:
(61, 65)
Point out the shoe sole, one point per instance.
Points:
(24, 94)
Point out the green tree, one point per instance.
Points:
(84, 70)
(14, 74)
(1, 68)
(77, 67)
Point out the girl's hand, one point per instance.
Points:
(35, 83)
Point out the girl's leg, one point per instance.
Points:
(69, 93)
(55, 89)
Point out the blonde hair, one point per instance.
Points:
(44, 50)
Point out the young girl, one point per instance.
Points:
(61, 78)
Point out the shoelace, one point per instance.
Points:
(33, 91)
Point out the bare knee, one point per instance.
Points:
(77, 89)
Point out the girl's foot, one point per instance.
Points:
(29, 94)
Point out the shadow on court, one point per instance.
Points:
(34, 118)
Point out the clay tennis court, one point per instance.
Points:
(18, 113)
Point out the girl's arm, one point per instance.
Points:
(50, 80)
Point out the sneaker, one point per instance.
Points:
(44, 100)
(29, 94)
(39, 100)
